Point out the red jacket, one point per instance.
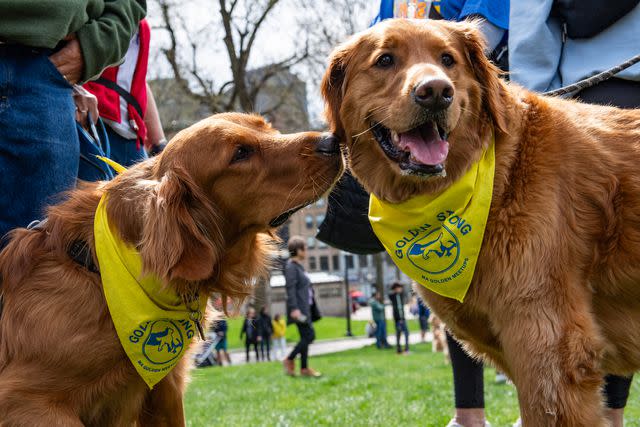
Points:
(109, 100)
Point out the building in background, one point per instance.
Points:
(282, 100)
(329, 292)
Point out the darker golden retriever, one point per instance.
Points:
(201, 215)
(555, 299)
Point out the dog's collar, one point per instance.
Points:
(79, 252)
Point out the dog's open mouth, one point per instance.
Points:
(420, 151)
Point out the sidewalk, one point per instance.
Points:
(364, 313)
(318, 348)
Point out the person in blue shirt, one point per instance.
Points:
(544, 57)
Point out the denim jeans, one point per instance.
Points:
(381, 333)
(38, 139)
(118, 148)
(401, 328)
(123, 150)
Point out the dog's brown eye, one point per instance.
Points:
(242, 153)
(447, 60)
(385, 61)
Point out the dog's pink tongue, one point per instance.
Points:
(425, 145)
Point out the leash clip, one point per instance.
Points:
(196, 317)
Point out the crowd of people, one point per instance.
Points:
(260, 333)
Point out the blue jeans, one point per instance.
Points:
(401, 328)
(381, 333)
(39, 148)
(123, 150)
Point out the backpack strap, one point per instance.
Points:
(122, 92)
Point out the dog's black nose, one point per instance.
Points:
(328, 145)
(433, 93)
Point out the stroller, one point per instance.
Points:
(207, 357)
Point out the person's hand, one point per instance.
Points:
(69, 60)
(295, 314)
(259, 339)
(86, 102)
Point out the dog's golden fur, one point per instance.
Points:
(555, 299)
(199, 214)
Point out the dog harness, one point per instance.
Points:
(154, 324)
(435, 239)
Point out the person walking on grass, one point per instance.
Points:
(300, 307)
(220, 329)
(250, 333)
(377, 312)
(279, 327)
(397, 302)
(264, 332)
(423, 318)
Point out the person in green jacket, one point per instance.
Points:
(377, 311)
(45, 47)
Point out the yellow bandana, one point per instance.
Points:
(435, 238)
(153, 323)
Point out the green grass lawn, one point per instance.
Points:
(365, 387)
(326, 328)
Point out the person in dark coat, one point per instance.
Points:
(265, 330)
(397, 303)
(423, 318)
(300, 307)
(250, 333)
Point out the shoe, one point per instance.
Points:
(289, 367)
(308, 372)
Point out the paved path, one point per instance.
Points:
(330, 346)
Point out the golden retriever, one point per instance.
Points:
(555, 299)
(201, 214)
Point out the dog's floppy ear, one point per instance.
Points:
(181, 237)
(332, 87)
(487, 75)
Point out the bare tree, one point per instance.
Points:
(241, 22)
(328, 23)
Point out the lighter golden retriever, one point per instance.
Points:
(201, 214)
(555, 299)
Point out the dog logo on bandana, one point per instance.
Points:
(164, 342)
(436, 252)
